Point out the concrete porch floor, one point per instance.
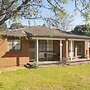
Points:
(74, 61)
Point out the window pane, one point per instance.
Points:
(14, 44)
(17, 44)
(10, 44)
(50, 46)
(42, 45)
(45, 45)
(17, 47)
(10, 47)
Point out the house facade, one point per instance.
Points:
(42, 45)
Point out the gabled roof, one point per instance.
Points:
(40, 31)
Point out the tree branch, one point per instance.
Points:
(55, 7)
(14, 12)
(7, 6)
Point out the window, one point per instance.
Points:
(45, 45)
(42, 45)
(49, 45)
(45, 49)
(14, 44)
(79, 48)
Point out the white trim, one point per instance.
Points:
(88, 50)
(78, 39)
(60, 49)
(44, 38)
(78, 59)
(48, 62)
(71, 49)
(67, 49)
(37, 49)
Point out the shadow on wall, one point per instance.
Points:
(13, 54)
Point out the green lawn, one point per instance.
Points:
(48, 78)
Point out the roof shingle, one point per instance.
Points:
(40, 31)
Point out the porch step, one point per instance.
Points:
(53, 63)
(28, 65)
(43, 63)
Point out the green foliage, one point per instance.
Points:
(3, 26)
(47, 78)
(16, 26)
(5, 1)
(87, 17)
(32, 9)
(82, 30)
(35, 65)
(83, 6)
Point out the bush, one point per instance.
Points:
(35, 65)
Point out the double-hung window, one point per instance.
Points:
(14, 44)
(45, 49)
(45, 46)
(50, 46)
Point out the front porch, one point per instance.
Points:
(54, 50)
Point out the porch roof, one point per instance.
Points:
(40, 31)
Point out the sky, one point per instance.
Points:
(77, 19)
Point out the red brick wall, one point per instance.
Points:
(56, 47)
(83, 49)
(13, 58)
(64, 49)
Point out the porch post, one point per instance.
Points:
(67, 49)
(60, 50)
(71, 53)
(37, 49)
(75, 49)
(88, 50)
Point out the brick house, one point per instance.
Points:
(41, 44)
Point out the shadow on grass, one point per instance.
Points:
(1, 85)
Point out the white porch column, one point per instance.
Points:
(60, 50)
(71, 53)
(37, 49)
(75, 50)
(88, 50)
(67, 49)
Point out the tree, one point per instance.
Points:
(7, 9)
(57, 22)
(82, 30)
(3, 27)
(30, 9)
(16, 26)
(83, 6)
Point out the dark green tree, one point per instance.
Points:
(82, 30)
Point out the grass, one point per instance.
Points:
(48, 78)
